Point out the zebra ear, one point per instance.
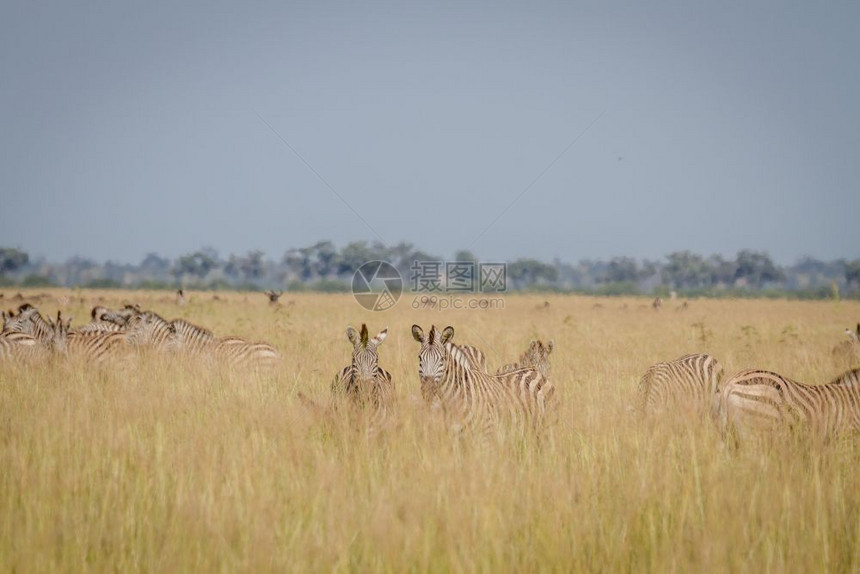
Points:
(377, 340)
(550, 345)
(364, 334)
(534, 345)
(352, 335)
(447, 334)
(418, 333)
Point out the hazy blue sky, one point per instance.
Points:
(143, 127)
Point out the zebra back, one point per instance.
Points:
(21, 347)
(688, 382)
(98, 347)
(753, 400)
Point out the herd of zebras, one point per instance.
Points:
(26, 335)
(454, 378)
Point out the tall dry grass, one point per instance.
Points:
(170, 466)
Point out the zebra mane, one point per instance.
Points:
(457, 356)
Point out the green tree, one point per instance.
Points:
(852, 273)
(197, 264)
(622, 269)
(248, 267)
(12, 259)
(528, 272)
(757, 268)
(686, 270)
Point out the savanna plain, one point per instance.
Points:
(164, 465)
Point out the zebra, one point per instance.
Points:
(690, 382)
(472, 398)
(239, 352)
(30, 322)
(104, 320)
(536, 357)
(754, 400)
(21, 347)
(194, 340)
(363, 383)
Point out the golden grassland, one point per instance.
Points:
(169, 466)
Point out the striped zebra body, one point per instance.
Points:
(364, 385)
(754, 400)
(240, 353)
(473, 399)
(689, 382)
(98, 347)
(536, 357)
(192, 339)
(98, 327)
(21, 347)
(150, 330)
(476, 357)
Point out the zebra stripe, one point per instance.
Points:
(754, 400)
(21, 347)
(98, 348)
(364, 384)
(191, 338)
(536, 357)
(689, 382)
(240, 353)
(476, 357)
(470, 397)
(51, 336)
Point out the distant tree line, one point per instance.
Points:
(325, 267)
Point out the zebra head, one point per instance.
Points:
(432, 358)
(60, 332)
(365, 358)
(120, 318)
(537, 356)
(23, 322)
(148, 328)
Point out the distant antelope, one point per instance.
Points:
(273, 296)
(180, 297)
(657, 304)
(683, 306)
